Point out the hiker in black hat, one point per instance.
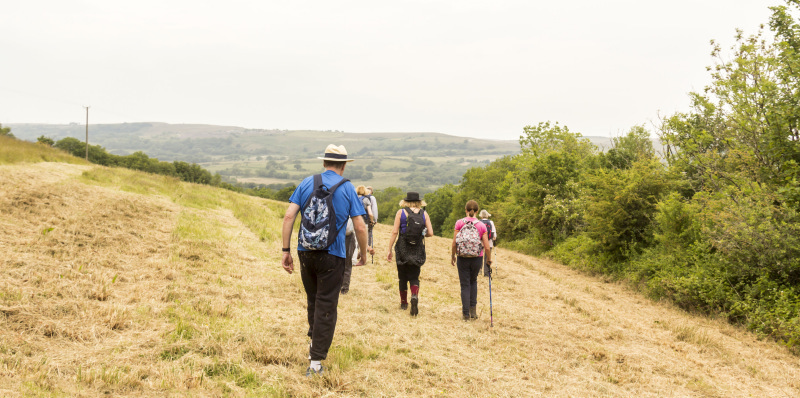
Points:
(327, 201)
(413, 224)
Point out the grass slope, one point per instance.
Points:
(17, 151)
(122, 283)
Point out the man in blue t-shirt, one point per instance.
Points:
(321, 271)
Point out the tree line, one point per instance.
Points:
(712, 224)
(188, 172)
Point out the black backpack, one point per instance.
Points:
(489, 229)
(318, 221)
(415, 223)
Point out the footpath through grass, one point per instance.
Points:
(116, 282)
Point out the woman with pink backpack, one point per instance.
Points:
(469, 240)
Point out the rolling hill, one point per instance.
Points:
(122, 283)
(410, 161)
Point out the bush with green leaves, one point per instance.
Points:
(45, 141)
(621, 206)
(6, 131)
(440, 206)
(388, 200)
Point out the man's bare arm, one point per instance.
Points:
(286, 235)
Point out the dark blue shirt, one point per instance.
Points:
(345, 203)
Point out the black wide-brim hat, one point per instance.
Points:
(412, 197)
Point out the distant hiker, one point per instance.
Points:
(325, 202)
(369, 218)
(374, 207)
(468, 242)
(413, 225)
(487, 270)
(349, 249)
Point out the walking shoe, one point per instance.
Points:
(311, 372)
(473, 312)
(403, 306)
(466, 317)
(414, 302)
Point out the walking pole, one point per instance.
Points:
(491, 316)
(491, 269)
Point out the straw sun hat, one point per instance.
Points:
(336, 154)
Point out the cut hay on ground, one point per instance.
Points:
(121, 283)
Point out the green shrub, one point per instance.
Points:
(753, 235)
(677, 223)
(578, 251)
(622, 205)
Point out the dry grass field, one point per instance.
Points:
(126, 284)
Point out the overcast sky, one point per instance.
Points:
(470, 68)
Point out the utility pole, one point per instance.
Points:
(87, 133)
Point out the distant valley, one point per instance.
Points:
(411, 161)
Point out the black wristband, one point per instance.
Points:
(286, 249)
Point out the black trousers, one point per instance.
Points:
(468, 270)
(322, 279)
(408, 275)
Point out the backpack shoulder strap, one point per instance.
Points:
(463, 224)
(317, 180)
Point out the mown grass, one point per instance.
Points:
(196, 304)
(14, 151)
(259, 215)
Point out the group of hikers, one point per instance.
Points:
(336, 216)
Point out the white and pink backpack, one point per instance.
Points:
(468, 240)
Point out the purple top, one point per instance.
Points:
(403, 220)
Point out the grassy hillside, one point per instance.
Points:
(121, 283)
(17, 151)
